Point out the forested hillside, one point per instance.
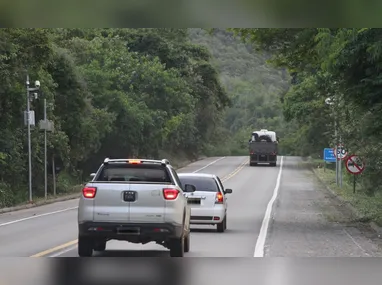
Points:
(340, 64)
(254, 87)
(111, 93)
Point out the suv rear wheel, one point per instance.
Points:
(100, 246)
(177, 247)
(85, 247)
(187, 243)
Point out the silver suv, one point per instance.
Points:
(135, 200)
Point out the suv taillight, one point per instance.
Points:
(219, 198)
(89, 192)
(170, 193)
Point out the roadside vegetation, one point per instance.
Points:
(157, 93)
(344, 65)
(186, 93)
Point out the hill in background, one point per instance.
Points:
(254, 87)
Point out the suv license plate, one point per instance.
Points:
(128, 231)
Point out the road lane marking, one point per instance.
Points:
(54, 249)
(259, 249)
(61, 252)
(236, 171)
(209, 164)
(37, 216)
(356, 243)
(69, 246)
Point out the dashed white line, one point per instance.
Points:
(209, 164)
(259, 249)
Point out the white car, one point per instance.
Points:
(208, 202)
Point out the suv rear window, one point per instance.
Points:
(201, 183)
(134, 173)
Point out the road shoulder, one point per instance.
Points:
(309, 222)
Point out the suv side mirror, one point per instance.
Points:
(189, 188)
(227, 191)
(92, 175)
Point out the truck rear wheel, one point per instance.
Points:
(273, 164)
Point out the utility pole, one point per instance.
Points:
(45, 156)
(29, 141)
(29, 122)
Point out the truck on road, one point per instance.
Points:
(263, 148)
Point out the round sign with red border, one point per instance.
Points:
(354, 165)
(341, 152)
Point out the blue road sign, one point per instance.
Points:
(329, 155)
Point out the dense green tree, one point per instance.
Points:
(111, 93)
(341, 64)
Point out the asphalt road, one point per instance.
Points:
(258, 223)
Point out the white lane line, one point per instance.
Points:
(356, 243)
(37, 216)
(209, 164)
(259, 249)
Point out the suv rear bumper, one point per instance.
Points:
(130, 231)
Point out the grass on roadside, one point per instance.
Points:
(369, 209)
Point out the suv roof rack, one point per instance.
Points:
(136, 160)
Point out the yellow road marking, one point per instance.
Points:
(54, 249)
(236, 171)
(73, 242)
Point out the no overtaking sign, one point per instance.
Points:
(354, 165)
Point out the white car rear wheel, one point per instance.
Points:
(221, 226)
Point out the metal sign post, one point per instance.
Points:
(29, 140)
(46, 126)
(355, 166)
(341, 155)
